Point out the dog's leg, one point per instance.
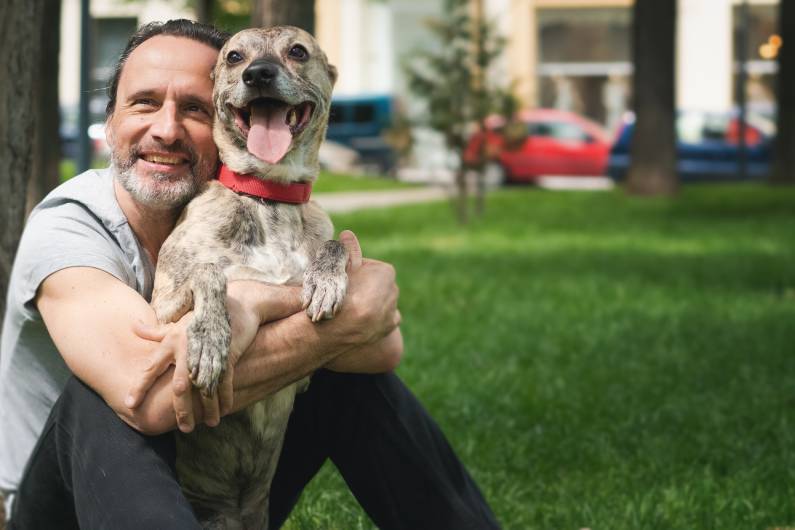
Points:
(209, 333)
(325, 281)
(170, 299)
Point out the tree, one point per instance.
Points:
(299, 13)
(652, 168)
(18, 77)
(47, 148)
(451, 79)
(784, 160)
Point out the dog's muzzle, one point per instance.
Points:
(260, 73)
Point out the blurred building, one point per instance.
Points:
(569, 54)
(112, 23)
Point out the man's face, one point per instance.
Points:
(160, 132)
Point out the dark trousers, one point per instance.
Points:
(92, 471)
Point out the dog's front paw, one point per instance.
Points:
(323, 293)
(208, 349)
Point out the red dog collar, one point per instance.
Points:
(295, 193)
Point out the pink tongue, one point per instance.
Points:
(269, 137)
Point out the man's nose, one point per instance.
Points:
(167, 127)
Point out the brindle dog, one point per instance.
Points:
(272, 96)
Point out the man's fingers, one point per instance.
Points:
(162, 358)
(226, 392)
(183, 399)
(351, 244)
(149, 331)
(211, 410)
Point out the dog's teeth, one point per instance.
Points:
(292, 118)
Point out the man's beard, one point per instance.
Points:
(162, 191)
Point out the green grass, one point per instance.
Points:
(600, 361)
(336, 182)
(328, 182)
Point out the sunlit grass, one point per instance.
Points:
(326, 183)
(598, 360)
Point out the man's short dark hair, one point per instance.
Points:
(189, 29)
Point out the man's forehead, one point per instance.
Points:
(168, 58)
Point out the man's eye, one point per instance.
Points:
(196, 108)
(298, 53)
(146, 102)
(233, 57)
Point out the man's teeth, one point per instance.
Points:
(159, 159)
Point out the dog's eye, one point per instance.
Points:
(233, 57)
(298, 53)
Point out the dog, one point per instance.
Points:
(272, 97)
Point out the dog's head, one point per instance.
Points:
(272, 97)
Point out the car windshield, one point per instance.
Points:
(559, 130)
(700, 127)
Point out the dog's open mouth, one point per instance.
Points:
(269, 126)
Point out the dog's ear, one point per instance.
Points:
(332, 74)
(212, 75)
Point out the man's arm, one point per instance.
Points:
(90, 316)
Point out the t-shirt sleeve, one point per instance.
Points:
(61, 237)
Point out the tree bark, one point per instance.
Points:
(204, 11)
(47, 153)
(299, 13)
(784, 156)
(652, 168)
(19, 19)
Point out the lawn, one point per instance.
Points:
(326, 183)
(600, 361)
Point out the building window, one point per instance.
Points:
(763, 47)
(585, 61)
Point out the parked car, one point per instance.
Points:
(542, 142)
(707, 146)
(360, 123)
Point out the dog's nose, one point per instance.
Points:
(260, 73)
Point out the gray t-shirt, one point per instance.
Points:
(79, 224)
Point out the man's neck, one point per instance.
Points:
(150, 226)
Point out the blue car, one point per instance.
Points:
(360, 123)
(707, 146)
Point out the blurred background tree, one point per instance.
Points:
(452, 80)
(784, 155)
(19, 110)
(653, 156)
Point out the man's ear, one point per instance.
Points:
(332, 74)
(109, 132)
(212, 75)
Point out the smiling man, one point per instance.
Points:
(73, 454)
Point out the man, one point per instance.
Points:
(77, 304)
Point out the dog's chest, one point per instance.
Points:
(283, 255)
(278, 263)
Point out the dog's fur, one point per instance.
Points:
(226, 471)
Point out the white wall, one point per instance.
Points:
(704, 55)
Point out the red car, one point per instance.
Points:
(542, 142)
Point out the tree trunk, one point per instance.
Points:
(784, 159)
(652, 168)
(299, 13)
(204, 11)
(19, 19)
(47, 153)
(462, 195)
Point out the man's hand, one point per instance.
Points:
(369, 318)
(249, 305)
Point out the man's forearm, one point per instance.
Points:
(287, 350)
